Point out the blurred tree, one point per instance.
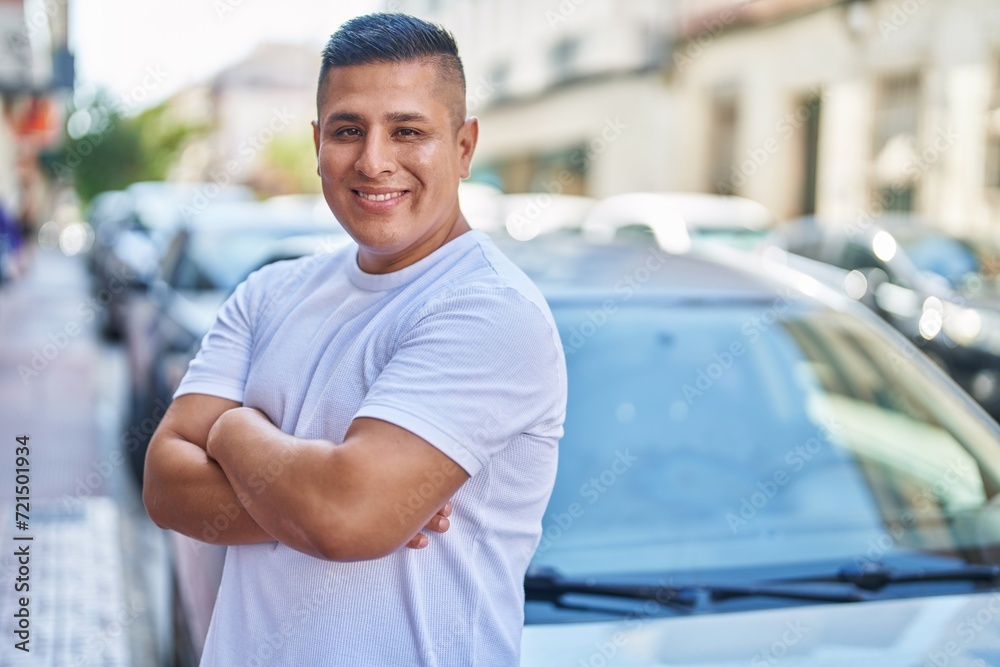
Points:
(106, 149)
(291, 161)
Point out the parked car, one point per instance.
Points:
(960, 333)
(524, 216)
(676, 220)
(105, 213)
(969, 265)
(131, 240)
(754, 468)
(204, 262)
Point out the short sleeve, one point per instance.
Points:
(223, 360)
(475, 370)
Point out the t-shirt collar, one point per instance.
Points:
(386, 281)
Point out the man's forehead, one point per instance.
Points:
(409, 90)
(405, 75)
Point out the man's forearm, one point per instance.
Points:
(269, 469)
(188, 492)
(336, 502)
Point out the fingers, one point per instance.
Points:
(419, 541)
(439, 523)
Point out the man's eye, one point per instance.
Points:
(407, 132)
(348, 132)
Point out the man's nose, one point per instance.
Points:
(377, 156)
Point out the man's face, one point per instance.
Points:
(390, 159)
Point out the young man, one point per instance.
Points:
(378, 382)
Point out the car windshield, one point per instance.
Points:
(707, 437)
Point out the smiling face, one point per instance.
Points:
(390, 159)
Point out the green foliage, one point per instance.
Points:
(120, 150)
(293, 157)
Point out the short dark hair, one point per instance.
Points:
(392, 38)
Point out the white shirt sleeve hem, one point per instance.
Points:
(448, 445)
(211, 388)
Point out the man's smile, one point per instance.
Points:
(380, 196)
(379, 200)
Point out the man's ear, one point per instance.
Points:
(315, 125)
(468, 135)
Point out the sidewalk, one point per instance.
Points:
(98, 580)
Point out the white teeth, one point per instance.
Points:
(391, 195)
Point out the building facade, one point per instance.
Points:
(843, 109)
(258, 113)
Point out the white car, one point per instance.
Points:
(755, 471)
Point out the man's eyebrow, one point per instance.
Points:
(391, 117)
(406, 117)
(343, 116)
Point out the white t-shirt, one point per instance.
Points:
(459, 348)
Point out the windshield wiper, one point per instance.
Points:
(875, 576)
(550, 587)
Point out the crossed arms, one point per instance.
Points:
(341, 503)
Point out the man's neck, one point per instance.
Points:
(377, 264)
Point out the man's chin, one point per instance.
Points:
(384, 245)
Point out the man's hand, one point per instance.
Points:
(224, 436)
(438, 523)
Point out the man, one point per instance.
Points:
(378, 382)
